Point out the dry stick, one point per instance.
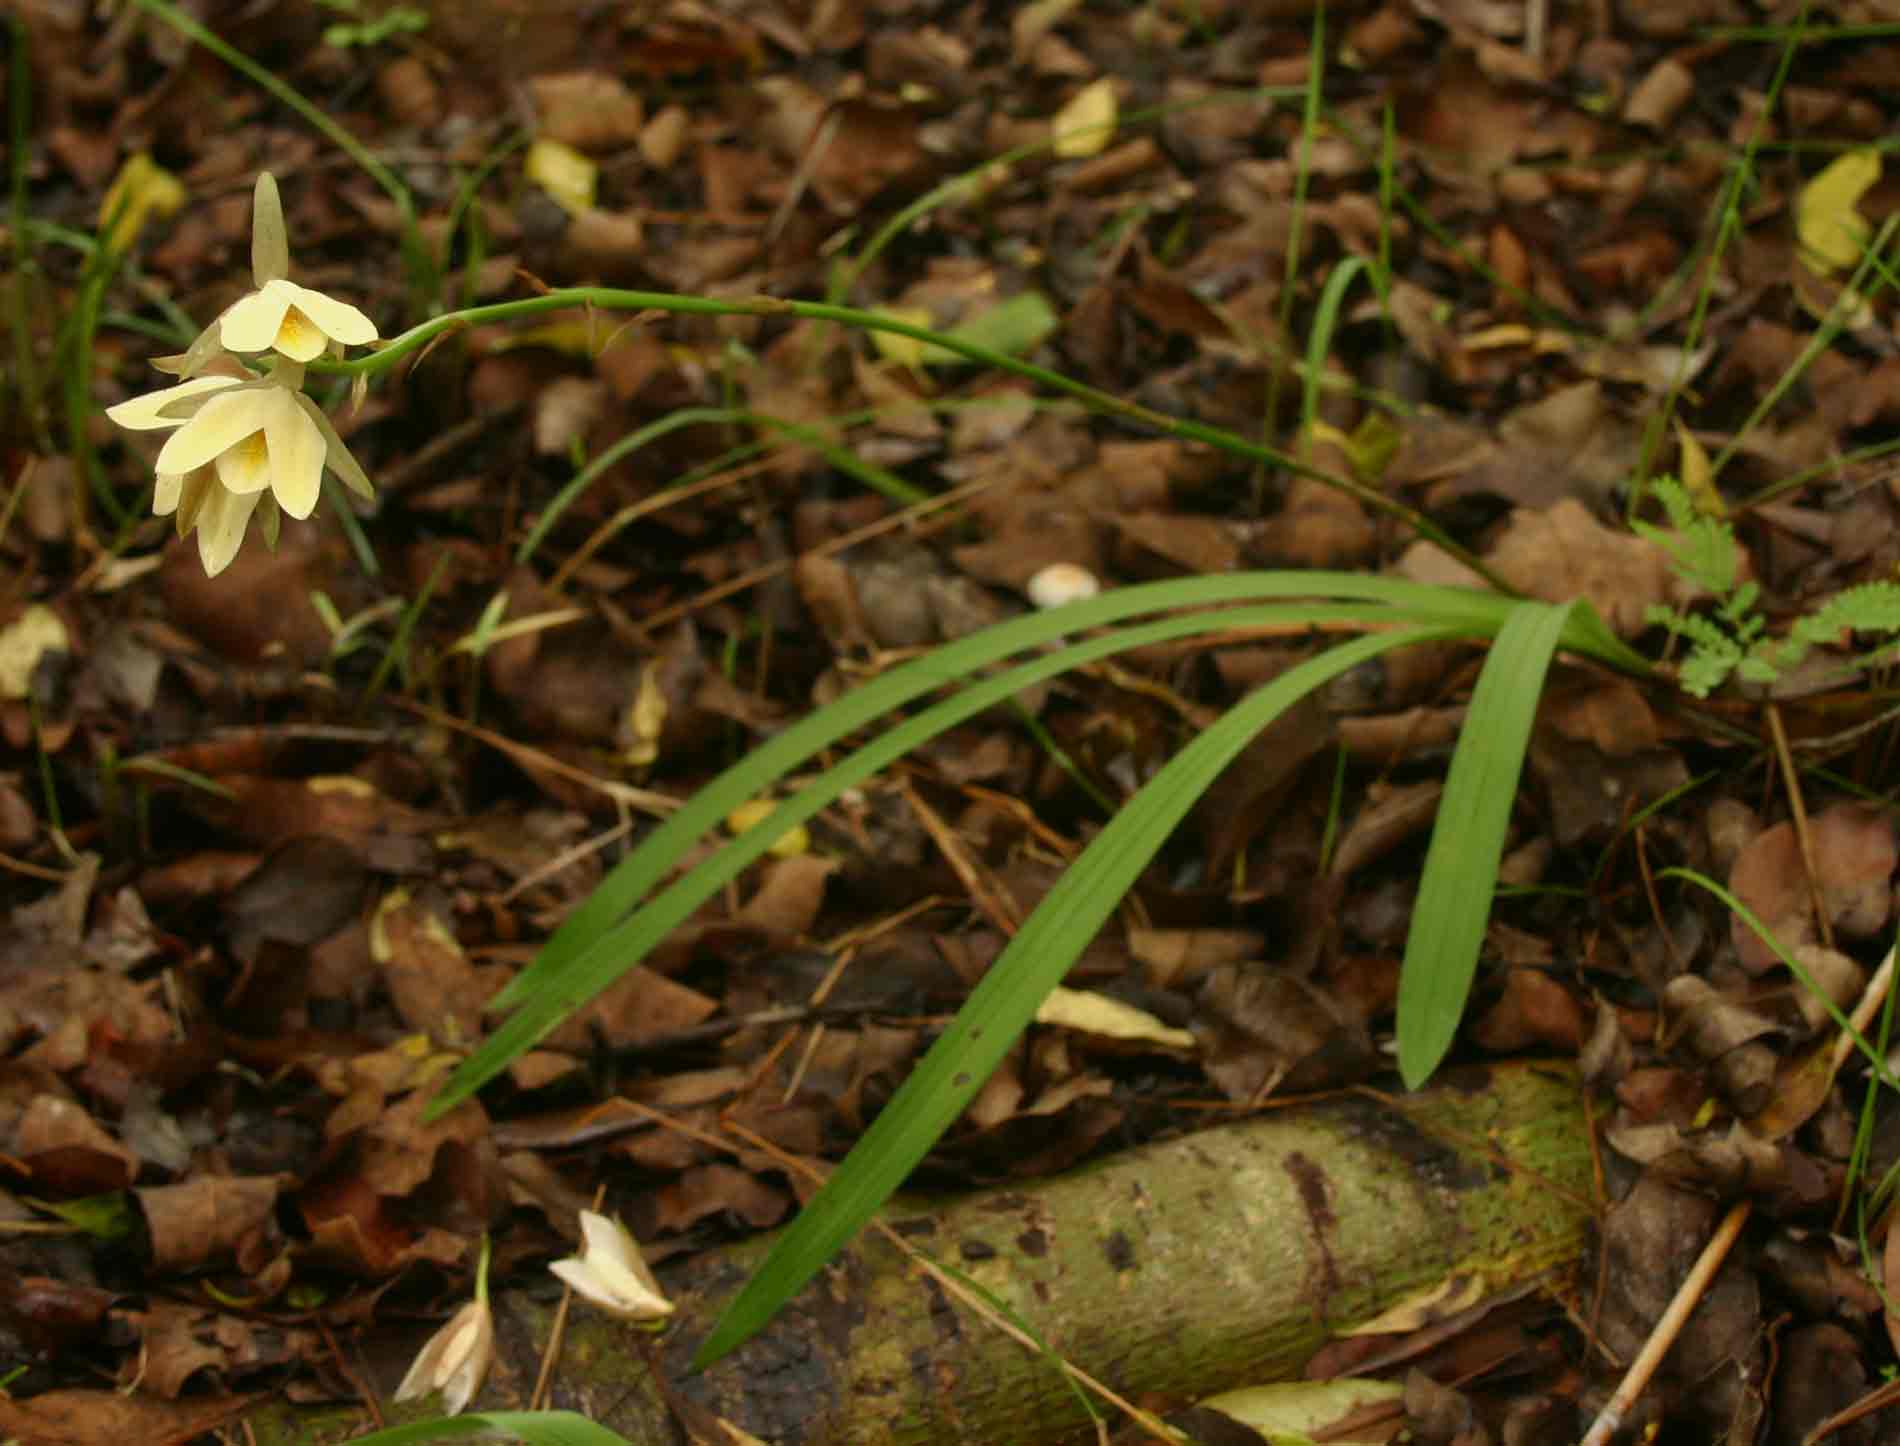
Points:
(770, 570)
(370, 1401)
(1878, 1399)
(1063, 848)
(1640, 836)
(567, 856)
(557, 1333)
(657, 804)
(1687, 1298)
(993, 903)
(1869, 1006)
(796, 1080)
(1797, 806)
(645, 507)
(34, 871)
(845, 947)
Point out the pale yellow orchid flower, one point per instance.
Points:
(279, 316)
(234, 442)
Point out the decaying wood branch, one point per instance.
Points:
(1172, 1271)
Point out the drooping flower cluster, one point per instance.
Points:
(240, 438)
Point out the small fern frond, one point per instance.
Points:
(1713, 654)
(1701, 548)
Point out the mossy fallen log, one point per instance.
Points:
(1169, 1272)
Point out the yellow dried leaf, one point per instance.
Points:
(646, 719)
(1697, 476)
(23, 642)
(1083, 126)
(142, 189)
(564, 173)
(1090, 1013)
(748, 816)
(579, 338)
(1831, 232)
(906, 351)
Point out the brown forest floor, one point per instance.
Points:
(224, 1000)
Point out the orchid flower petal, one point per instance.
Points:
(611, 1273)
(297, 451)
(253, 322)
(146, 413)
(336, 455)
(221, 523)
(221, 423)
(454, 1359)
(270, 241)
(337, 320)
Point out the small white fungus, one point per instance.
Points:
(1062, 582)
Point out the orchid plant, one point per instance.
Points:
(245, 440)
(243, 432)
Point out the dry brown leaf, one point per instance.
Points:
(87, 1418)
(200, 1220)
(435, 989)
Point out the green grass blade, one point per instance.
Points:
(579, 962)
(1461, 863)
(571, 492)
(1876, 1060)
(1003, 1003)
(1319, 340)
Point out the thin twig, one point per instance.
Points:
(566, 857)
(531, 759)
(907, 517)
(1798, 809)
(991, 900)
(557, 1334)
(1687, 1298)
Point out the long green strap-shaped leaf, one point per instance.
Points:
(537, 1428)
(595, 955)
(1461, 863)
(1005, 1000)
(951, 664)
(586, 953)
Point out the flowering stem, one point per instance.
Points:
(481, 1273)
(615, 299)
